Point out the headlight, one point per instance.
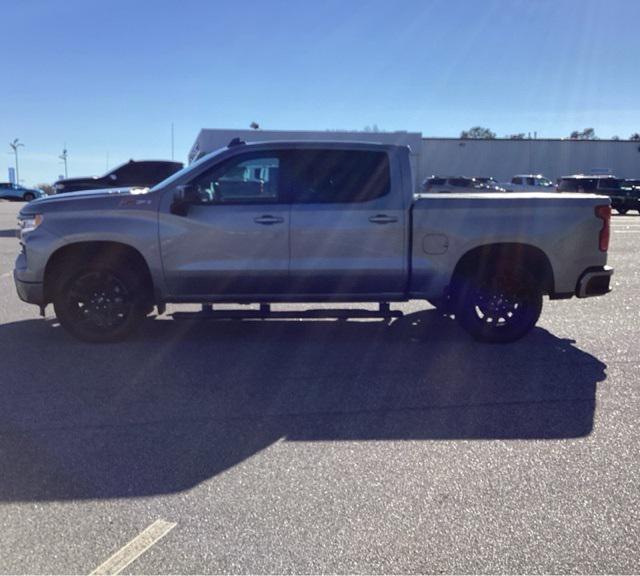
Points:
(28, 224)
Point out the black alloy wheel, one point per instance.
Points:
(100, 304)
(499, 308)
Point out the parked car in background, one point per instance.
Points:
(133, 174)
(448, 184)
(622, 200)
(9, 191)
(529, 183)
(633, 183)
(488, 183)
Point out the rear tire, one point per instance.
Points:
(499, 306)
(28, 197)
(99, 302)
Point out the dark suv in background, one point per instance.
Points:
(133, 174)
(622, 199)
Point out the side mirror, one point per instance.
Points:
(184, 195)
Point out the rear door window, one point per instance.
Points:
(588, 184)
(568, 185)
(609, 184)
(336, 176)
(460, 182)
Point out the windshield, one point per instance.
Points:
(180, 173)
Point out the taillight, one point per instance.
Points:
(604, 213)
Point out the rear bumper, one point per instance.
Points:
(594, 282)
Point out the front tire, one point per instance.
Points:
(28, 197)
(100, 303)
(499, 306)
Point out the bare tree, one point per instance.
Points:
(635, 136)
(254, 126)
(48, 189)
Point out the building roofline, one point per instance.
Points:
(457, 139)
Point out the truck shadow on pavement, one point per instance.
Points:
(184, 401)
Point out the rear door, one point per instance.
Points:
(235, 240)
(347, 222)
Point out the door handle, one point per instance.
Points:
(382, 219)
(268, 219)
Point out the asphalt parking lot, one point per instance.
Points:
(325, 446)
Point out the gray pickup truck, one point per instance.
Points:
(308, 222)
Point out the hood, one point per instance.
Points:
(84, 196)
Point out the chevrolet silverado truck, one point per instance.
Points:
(288, 222)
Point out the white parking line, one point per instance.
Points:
(138, 546)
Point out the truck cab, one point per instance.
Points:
(529, 183)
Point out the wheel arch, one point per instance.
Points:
(511, 254)
(87, 253)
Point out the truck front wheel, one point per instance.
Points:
(499, 306)
(100, 303)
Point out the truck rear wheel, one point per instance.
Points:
(499, 306)
(100, 303)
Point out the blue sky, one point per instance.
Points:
(109, 78)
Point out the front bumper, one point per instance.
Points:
(30, 292)
(594, 282)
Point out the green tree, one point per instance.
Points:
(478, 132)
(586, 134)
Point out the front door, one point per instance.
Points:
(235, 238)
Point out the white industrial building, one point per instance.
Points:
(500, 158)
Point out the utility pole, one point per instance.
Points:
(15, 145)
(63, 157)
(171, 140)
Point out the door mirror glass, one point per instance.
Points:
(184, 196)
(188, 194)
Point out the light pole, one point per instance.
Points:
(15, 145)
(63, 157)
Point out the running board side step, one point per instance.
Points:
(265, 312)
